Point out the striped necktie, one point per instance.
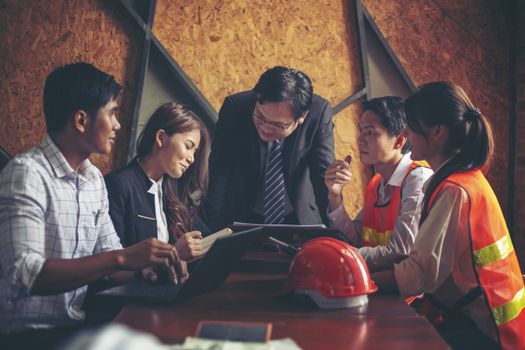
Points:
(274, 186)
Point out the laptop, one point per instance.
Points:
(208, 273)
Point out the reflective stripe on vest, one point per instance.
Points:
(493, 252)
(494, 259)
(379, 221)
(511, 310)
(372, 238)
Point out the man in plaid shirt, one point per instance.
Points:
(56, 235)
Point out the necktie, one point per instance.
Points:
(274, 186)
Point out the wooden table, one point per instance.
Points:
(385, 323)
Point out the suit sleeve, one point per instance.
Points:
(322, 156)
(117, 205)
(216, 211)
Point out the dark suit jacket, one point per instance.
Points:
(132, 208)
(237, 164)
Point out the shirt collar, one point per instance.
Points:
(156, 186)
(401, 169)
(59, 164)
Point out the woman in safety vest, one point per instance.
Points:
(463, 258)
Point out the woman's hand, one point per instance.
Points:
(189, 245)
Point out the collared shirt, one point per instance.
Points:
(162, 223)
(406, 226)
(47, 210)
(441, 261)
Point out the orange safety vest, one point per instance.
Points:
(379, 221)
(494, 259)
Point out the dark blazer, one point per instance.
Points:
(132, 208)
(237, 160)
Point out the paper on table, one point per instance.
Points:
(192, 343)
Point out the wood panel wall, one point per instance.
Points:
(38, 36)
(463, 41)
(224, 46)
(519, 173)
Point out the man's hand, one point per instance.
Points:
(144, 254)
(174, 270)
(336, 177)
(189, 245)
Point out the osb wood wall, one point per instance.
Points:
(224, 46)
(520, 134)
(38, 36)
(463, 41)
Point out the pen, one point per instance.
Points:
(97, 215)
(180, 230)
(289, 248)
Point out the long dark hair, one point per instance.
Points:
(470, 144)
(184, 195)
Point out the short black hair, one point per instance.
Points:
(74, 87)
(282, 84)
(391, 113)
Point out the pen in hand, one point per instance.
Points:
(180, 230)
(348, 159)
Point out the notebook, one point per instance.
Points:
(208, 241)
(209, 272)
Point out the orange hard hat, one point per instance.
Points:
(331, 272)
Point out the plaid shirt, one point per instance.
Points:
(47, 210)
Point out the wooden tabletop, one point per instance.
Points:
(385, 323)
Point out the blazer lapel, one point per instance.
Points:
(144, 181)
(289, 150)
(256, 152)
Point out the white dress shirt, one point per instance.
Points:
(162, 223)
(406, 225)
(47, 210)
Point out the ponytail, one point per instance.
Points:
(470, 144)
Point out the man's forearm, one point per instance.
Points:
(122, 276)
(63, 275)
(334, 201)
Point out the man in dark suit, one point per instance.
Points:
(271, 148)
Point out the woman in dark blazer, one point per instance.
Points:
(158, 193)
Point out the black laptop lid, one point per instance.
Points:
(209, 272)
(220, 260)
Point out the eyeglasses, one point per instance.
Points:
(262, 121)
